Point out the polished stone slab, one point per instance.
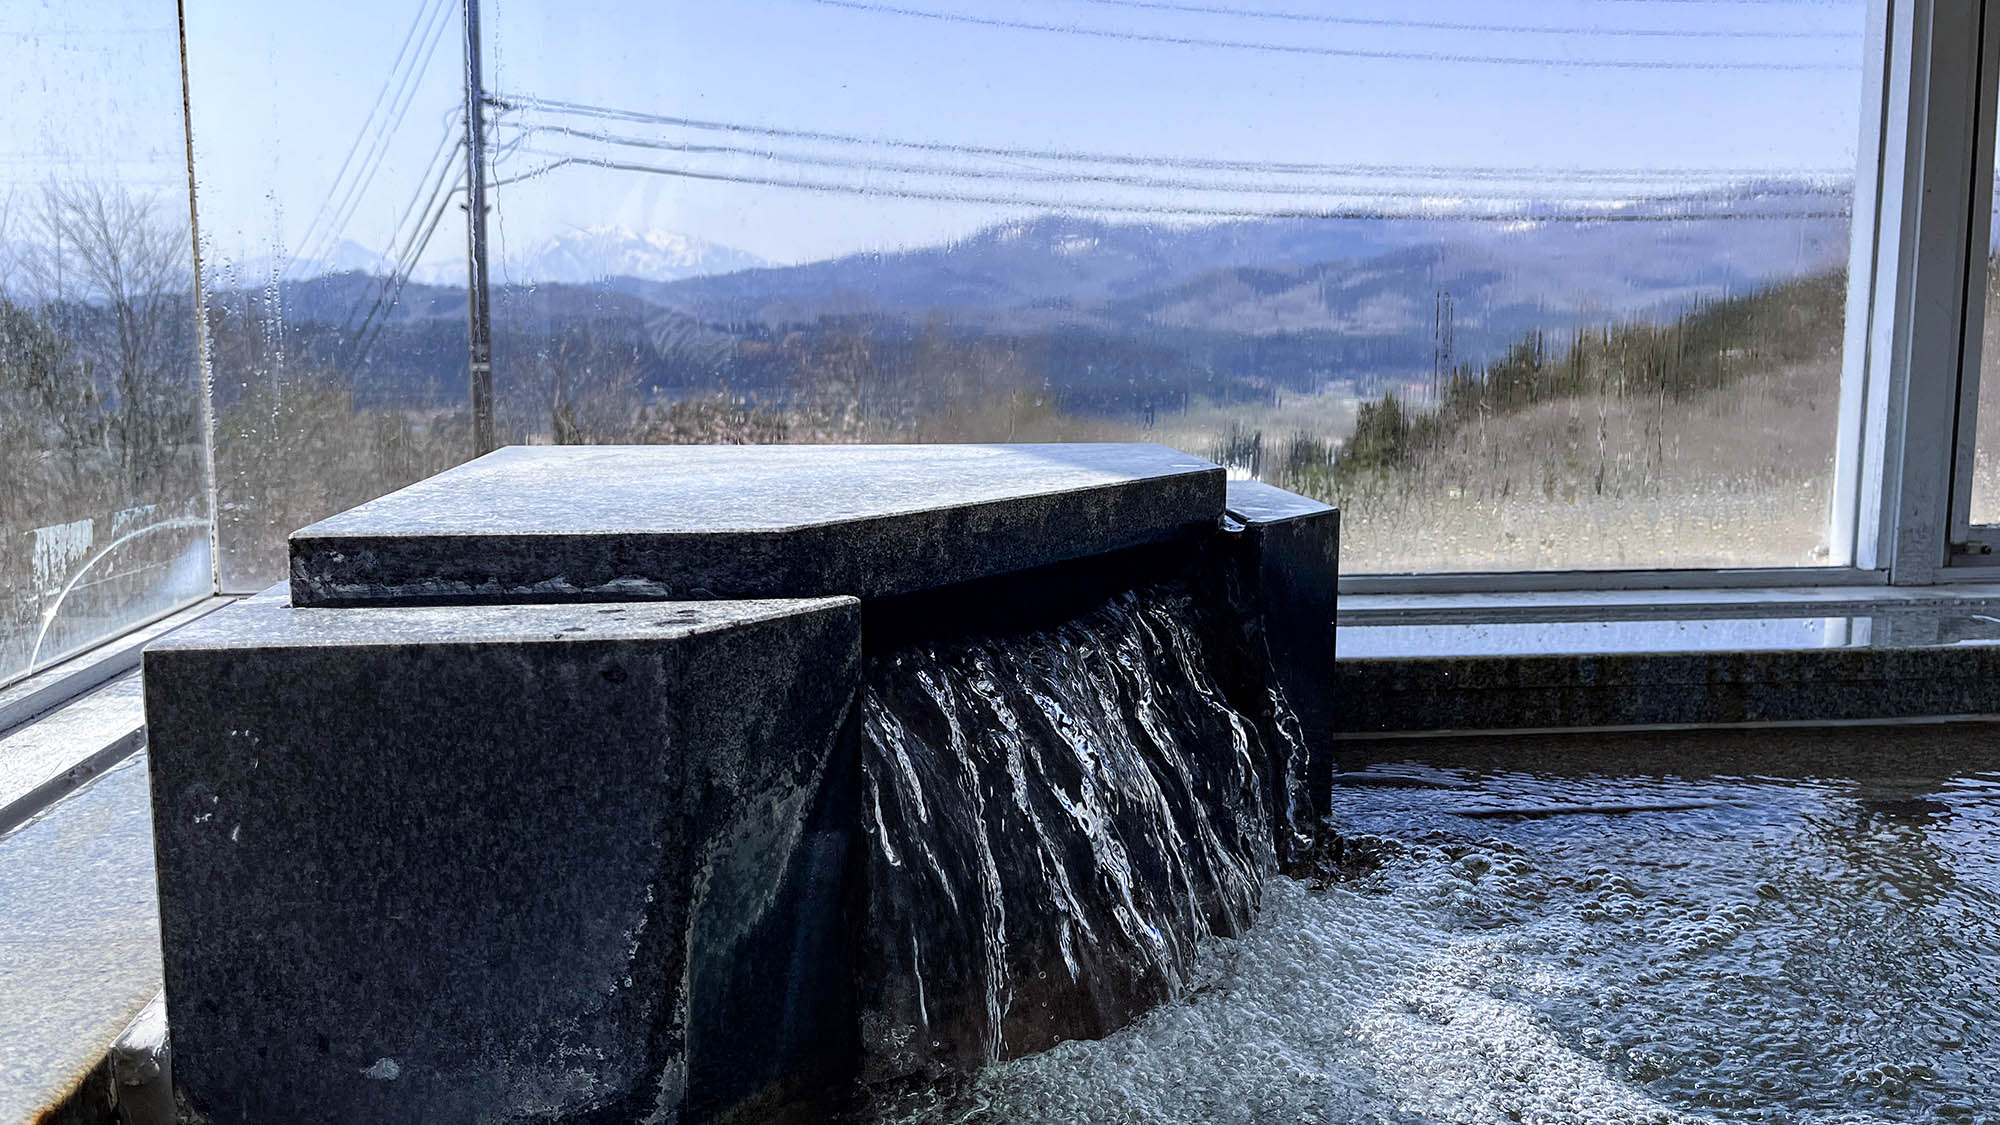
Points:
(79, 945)
(575, 523)
(1294, 542)
(550, 863)
(63, 750)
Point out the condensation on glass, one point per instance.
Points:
(329, 174)
(104, 502)
(1519, 285)
(1985, 484)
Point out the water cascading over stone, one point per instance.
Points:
(655, 784)
(1054, 821)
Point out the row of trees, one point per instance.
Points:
(1703, 350)
(99, 391)
(100, 407)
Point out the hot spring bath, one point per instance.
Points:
(1791, 926)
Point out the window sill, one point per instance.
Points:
(1413, 663)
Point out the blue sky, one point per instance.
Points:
(280, 92)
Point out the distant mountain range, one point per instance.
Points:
(1273, 303)
(1371, 277)
(593, 254)
(575, 257)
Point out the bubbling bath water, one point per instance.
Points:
(1738, 941)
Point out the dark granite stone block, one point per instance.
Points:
(525, 863)
(1294, 574)
(556, 524)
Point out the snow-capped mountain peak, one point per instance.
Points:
(593, 253)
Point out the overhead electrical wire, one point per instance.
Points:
(1745, 3)
(402, 258)
(1447, 25)
(443, 184)
(1036, 176)
(422, 197)
(418, 19)
(405, 79)
(402, 277)
(1326, 51)
(1183, 210)
(511, 102)
(380, 149)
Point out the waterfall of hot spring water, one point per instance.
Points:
(1055, 820)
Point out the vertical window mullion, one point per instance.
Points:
(1918, 310)
(1978, 247)
(1856, 524)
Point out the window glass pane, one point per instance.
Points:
(1986, 444)
(329, 178)
(1519, 285)
(103, 496)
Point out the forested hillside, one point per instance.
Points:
(1706, 438)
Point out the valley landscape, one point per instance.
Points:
(1656, 385)
(1245, 341)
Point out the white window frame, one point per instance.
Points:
(1909, 379)
(1973, 546)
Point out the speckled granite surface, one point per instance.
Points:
(79, 937)
(496, 863)
(1295, 541)
(574, 523)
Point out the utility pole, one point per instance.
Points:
(1441, 343)
(479, 323)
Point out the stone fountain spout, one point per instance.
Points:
(691, 783)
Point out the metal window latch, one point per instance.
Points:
(1971, 547)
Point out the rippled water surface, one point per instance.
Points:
(1795, 927)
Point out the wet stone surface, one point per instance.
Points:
(513, 863)
(553, 524)
(1292, 549)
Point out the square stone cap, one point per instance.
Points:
(268, 620)
(1253, 502)
(581, 523)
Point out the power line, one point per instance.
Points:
(559, 160)
(412, 77)
(437, 178)
(610, 113)
(391, 289)
(1746, 3)
(1032, 176)
(418, 19)
(402, 277)
(1442, 25)
(1333, 52)
(428, 184)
